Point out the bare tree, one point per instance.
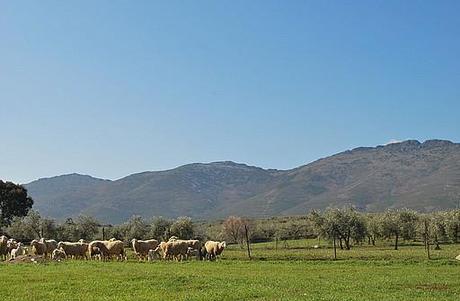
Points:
(233, 229)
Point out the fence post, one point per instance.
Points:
(247, 240)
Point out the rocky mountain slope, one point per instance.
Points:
(423, 176)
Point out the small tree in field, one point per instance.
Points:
(183, 228)
(390, 226)
(373, 226)
(399, 224)
(408, 222)
(317, 222)
(87, 227)
(160, 228)
(335, 224)
(233, 229)
(344, 224)
(438, 228)
(31, 224)
(136, 227)
(453, 225)
(67, 231)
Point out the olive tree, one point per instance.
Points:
(343, 224)
(87, 227)
(135, 227)
(182, 228)
(399, 224)
(160, 228)
(373, 226)
(453, 225)
(32, 226)
(438, 228)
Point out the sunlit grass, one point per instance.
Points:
(295, 271)
(305, 250)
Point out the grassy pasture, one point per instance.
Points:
(297, 272)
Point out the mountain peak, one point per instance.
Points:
(406, 145)
(69, 177)
(219, 164)
(409, 145)
(437, 143)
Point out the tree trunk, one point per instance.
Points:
(438, 247)
(347, 240)
(347, 243)
(428, 249)
(396, 241)
(456, 234)
(436, 241)
(335, 249)
(340, 242)
(427, 239)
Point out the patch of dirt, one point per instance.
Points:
(432, 287)
(27, 259)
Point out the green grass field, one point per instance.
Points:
(297, 272)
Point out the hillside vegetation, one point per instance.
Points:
(421, 176)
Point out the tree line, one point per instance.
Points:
(342, 226)
(34, 226)
(348, 226)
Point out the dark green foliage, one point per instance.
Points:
(453, 225)
(14, 201)
(136, 227)
(87, 227)
(344, 225)
(160, 228)
(182, 228)
(399, 224)
(32, 226)
(68, 231)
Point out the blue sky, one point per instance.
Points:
(110, 88)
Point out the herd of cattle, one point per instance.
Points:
(173, 249)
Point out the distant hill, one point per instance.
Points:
(423, 176)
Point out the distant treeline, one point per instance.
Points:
(346, 226)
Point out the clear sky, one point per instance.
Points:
(109, 88)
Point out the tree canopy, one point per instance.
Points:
(14, 202)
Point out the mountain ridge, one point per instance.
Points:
(423, 176)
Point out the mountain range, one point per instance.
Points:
(410, 174)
